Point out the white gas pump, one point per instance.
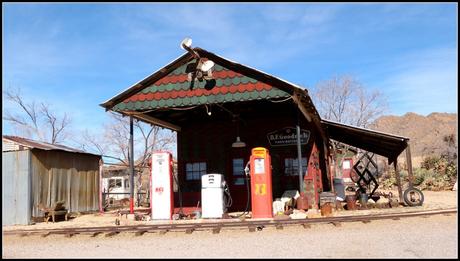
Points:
(161, 186)
(213, 204)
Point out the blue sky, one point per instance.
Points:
(76, 56)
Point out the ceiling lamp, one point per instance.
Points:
(238, 143)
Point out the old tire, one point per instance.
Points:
(413, 197)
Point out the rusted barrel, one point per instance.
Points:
(326, 209)
(351, 202)
(302, 202)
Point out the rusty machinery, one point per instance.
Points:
(365, 175)
(366, 170)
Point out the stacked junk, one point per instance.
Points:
(216, 199)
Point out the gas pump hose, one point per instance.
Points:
(181, 213)
(246, 179)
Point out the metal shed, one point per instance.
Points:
(36, 173)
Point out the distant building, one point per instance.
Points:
(38, 173)
(116, 182)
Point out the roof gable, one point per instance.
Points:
(174, 90)
(299, 95)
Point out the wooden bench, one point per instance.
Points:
(58, 210)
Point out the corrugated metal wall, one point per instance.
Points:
(16, 196)
(71, 177)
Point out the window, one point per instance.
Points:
(126, 183)
(291, 166)
(238, 171)
(114, 183)
(194, 171)
(346, 164)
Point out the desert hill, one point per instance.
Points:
(426, 133)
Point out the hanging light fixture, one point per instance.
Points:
(238, 143)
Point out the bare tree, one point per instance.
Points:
(114, 141)
(36, 122)
(343, 99)
(56, 126)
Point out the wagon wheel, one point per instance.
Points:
(413, 197)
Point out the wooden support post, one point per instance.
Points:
(131, 165)
(299, 156)
(409, 166)
(398, 181)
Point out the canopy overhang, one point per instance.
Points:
(384, 144)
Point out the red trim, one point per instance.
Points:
(241, 88)
(131, 205)
(142, 97)
(101, 210)
(150, 188)
(171, 188)
(171, 78)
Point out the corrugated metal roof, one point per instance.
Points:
(42, 145)
(385, 144)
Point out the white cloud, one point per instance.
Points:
(261, 36)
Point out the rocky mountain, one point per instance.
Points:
(426, 133)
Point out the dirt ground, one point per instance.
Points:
(417, 237)
(433, 200)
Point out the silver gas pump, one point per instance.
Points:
(215, 196)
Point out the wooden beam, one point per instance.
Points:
(409, 165)
(153, 120)
(297, 98)
(301, 107)
(398, 181)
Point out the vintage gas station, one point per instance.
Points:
(242, 132)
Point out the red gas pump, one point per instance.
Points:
(161, 186)
(261, 183)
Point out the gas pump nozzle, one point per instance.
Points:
(246, 169)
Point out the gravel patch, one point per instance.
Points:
(432, 237)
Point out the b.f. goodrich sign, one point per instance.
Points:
(287, 136)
